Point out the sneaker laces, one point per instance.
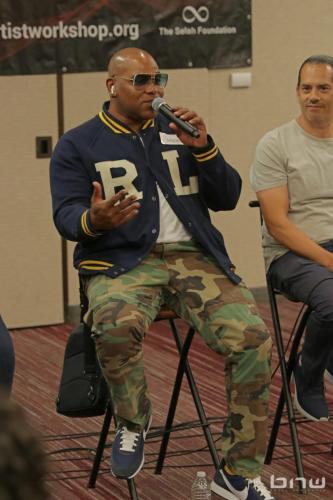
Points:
(260, 488)
(128, 439)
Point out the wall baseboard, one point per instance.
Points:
(260, 293)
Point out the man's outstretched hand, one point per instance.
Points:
(111, 213)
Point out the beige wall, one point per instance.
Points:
(285, 32)
(31, 264)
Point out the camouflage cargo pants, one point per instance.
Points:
(179, 274)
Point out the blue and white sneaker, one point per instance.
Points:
(127, 453)
(261, 489)
(309, 400)
(233, 487)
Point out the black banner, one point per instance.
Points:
(48, 36)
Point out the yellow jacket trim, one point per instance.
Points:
(149, 123)
(207, 154)
(99, 263)
(85, 226)
(117, 129)
(95, 268)
(207, 157)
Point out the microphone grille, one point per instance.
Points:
(157, 102)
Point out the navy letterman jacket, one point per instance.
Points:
(105, 150)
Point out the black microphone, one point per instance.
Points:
(162, 107)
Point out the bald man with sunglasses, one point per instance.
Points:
(134, 190)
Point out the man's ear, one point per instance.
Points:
(111, 88)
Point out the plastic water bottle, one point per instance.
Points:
(200, 488)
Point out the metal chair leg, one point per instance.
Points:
(184, 367)
(289, 369)
(132, 489)
(286, 374)
(101, 445)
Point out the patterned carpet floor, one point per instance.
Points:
(70, 443)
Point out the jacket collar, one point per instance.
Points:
(116, 125)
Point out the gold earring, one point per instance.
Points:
(112, 91)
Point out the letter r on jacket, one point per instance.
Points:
(110, 183)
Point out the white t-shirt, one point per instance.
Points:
(290, 156)
(172, 229)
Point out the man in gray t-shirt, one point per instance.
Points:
(292, 174)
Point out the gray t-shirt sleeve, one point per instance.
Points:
(269, 168)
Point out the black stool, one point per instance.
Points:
(165, 314)
(287, 364)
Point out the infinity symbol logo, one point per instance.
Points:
(190, 14)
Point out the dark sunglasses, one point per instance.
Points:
(140, 80)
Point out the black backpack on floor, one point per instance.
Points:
(83, 391)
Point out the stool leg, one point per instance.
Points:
(289, 369)
(202, 415)
(101, 445)
(183, 350)
(286, 394)
(183, 366)
(132, 489)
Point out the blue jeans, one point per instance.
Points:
(312, 284)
